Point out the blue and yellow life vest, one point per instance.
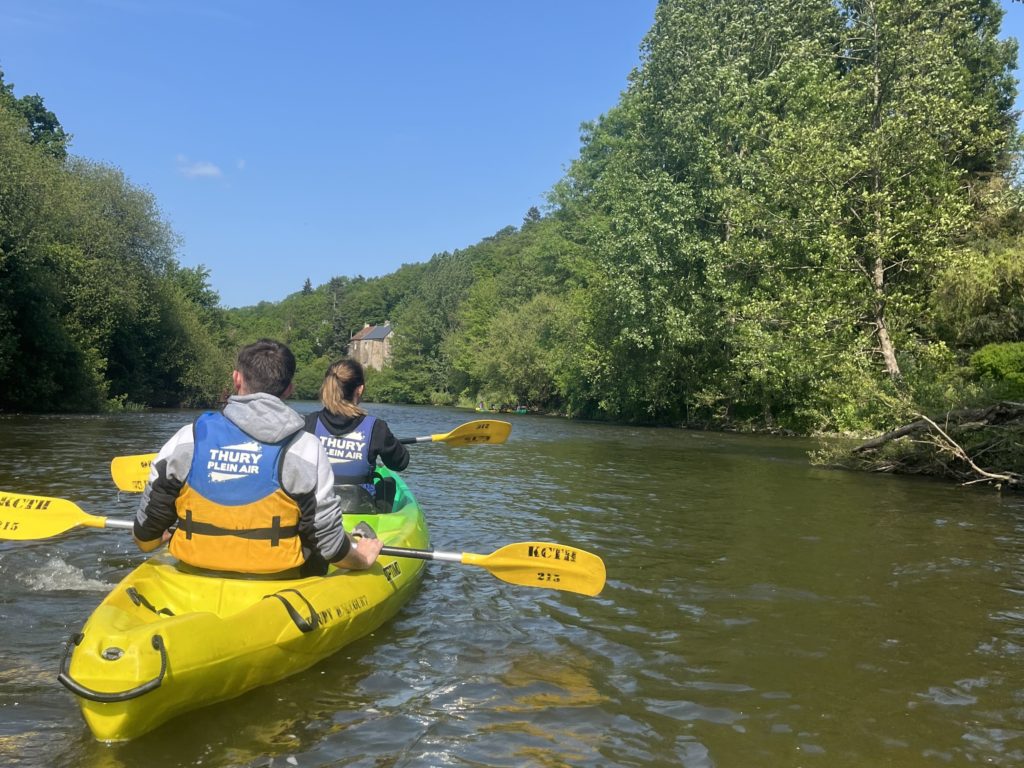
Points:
(233, 514)
(349, 454)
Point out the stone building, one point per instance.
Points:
(371, 345)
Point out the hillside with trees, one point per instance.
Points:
(803, 218)
(95, 310)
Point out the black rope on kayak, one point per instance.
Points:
(300, 622)
(138, 599)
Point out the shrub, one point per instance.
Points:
(1003, 365)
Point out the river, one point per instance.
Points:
(758, 612)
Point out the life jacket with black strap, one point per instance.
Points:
(233, 514)
(349, 454)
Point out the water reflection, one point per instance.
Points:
(758, 611)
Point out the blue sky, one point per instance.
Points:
(292, 140)
(285, 141)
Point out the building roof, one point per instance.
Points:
(372, 333)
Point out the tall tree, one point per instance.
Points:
(90, 301)
(776, 192)
(927, 91)
(43, 126)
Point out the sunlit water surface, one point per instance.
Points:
(758, 612)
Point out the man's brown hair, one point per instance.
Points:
(267, 366)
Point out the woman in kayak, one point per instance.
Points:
(354, 440)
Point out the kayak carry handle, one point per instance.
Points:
(300, 622)
(101, 696)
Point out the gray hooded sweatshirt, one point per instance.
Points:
(306, 475)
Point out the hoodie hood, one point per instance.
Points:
(263, 416)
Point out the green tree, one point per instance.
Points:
(774, 195)
(92, 300)
(927, 95)
(43, 127)
(979, 296)
(33, 335)
(532, 216)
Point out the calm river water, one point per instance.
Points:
(758, 612)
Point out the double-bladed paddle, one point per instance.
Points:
(130, 473)
(526, 563)
(23, 517)
(470, 433)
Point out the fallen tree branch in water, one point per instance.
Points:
(948, 443)
(973, 445)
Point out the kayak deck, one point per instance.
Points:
(165, 641)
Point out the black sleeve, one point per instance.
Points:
(385, 445)
(307, 529)
(161, 513)
(310, 419)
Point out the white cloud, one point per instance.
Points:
(198, 169)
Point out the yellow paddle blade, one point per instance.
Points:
(25, 517)
(482, 431)
(130, 473)
(539, 564)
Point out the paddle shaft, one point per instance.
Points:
(528, 564)
(422, 554)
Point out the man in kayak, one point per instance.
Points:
(354, 440)
(248, 489)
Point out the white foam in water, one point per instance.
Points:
(56, 574)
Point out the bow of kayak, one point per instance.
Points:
(165, 641)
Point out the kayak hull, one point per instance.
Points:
(166, 641)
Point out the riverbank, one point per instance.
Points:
(972, 446)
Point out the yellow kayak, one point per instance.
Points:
(166, 641)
